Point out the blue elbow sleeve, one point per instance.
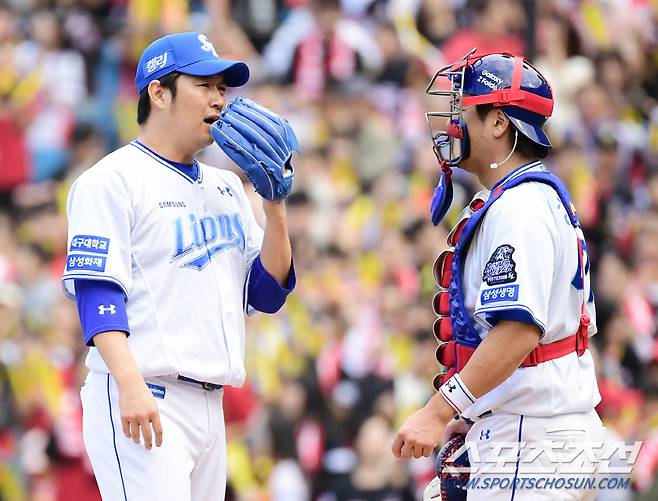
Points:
(264, 293)
(101, 307)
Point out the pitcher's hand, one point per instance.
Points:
(139, 411)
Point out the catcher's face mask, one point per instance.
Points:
(448, 132)
(447, 128)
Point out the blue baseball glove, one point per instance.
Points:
(260, 142)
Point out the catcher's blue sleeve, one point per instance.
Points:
(517, 315)
(101, 307)
(264, 293)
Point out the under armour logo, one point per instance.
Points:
(225, 190)
(206, 45)
(102, 309)
(485, 434)
(451, 387)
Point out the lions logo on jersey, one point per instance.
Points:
(210, 234)
(501, 268)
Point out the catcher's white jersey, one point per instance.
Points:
(523, 258)
(181, 252)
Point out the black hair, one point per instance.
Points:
(144, 105)
(524, 146)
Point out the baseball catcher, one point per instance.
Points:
(514, 307)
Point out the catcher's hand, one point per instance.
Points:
(260, 143)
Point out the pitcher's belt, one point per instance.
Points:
(205, 385)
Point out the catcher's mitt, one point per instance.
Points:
(450, 482)
(260, 142)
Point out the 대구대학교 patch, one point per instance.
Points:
(500, 269)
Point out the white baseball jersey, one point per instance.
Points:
(179, 248)
(527, 231)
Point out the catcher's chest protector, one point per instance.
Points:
(454, 352)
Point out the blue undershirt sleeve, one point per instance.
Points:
(101, 307)
(514, 314)
(264, 293)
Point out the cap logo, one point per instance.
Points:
(157, 63)
(493, 77)
(490, 80)
(206, 45)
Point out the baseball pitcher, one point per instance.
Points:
(164, 258)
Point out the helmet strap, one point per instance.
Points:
(514, 96)
(495, 165)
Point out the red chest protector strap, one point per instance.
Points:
(577, 342)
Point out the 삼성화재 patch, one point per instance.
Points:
(87, 262)
(501, 268)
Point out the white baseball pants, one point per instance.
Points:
(505, 474)
(190, 465)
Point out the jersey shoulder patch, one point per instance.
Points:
(500, 268)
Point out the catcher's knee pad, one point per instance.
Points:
(453, 469)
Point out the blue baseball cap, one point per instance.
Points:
(190, 53)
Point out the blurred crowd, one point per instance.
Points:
(352, 354)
